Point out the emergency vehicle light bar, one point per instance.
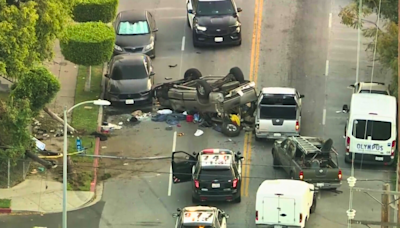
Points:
(216, 151)
(198, 217)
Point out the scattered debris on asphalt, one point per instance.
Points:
(168, 78)
(171, 66)
(171, 119)
(169, 128)
(198, 133)
(181, 134)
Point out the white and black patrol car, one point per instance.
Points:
(200, 217)
(215, 174)
(214, 22)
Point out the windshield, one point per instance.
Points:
(374, 91)
(377, 130)
(211, 174)
(212, 8)
(129, 72)
(278, 112)
(133, 28)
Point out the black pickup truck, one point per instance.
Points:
(310, 159)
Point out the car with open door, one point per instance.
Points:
(215, 174)
(214, 22)
(370, 87)
(200, 216)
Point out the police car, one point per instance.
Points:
(200, 217)
(215, 174)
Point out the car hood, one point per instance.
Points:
(133, 41)
(130, 86)
(212, 21)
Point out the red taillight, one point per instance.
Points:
(340, 174)
(297, 125)
(256, 215)
(196, 183)
(301, 175)
(301, 218)
(393, 148)
(234, 183)
(347, 144)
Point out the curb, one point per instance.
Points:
(5, 210)
(93, 184)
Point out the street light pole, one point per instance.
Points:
(65, 153)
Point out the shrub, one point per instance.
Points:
(88, 44)
(95, 10)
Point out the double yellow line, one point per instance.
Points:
(254, 59)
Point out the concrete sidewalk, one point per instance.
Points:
(46, 197)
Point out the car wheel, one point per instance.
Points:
(195, 43)
(256, 138)
(238, 200)
(203, 90)
(187, 21)
(237, 73)
(239, 43)
(275, 162)
(314, 205)
(192, 74)
(230, 129)
(194, 200)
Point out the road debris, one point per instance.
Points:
(181, 134)
(171, 66)
(198, 132)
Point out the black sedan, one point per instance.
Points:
(130, 79)
(135, 33)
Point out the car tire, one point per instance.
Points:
(194, 200)
(192, 74)
(275, 162)
(314, 205)
(256, 138)
(187, 21)
(203, 90)
(238, 200)
(230, 129)
(237, 73)
(195, 43)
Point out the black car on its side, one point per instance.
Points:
(214, 22)
(215, 174)
(129, 80)
(135, 33)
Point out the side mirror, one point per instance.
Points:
(238, 153)
(345, 109)
(351, 87)
(239, 9)
(175, 215)
(107, 75)
(226, 216)
(178, 210)
(194, 153)
(241, 157)
(302, 96)
(190, 11)
(155, 30)
(152, 73)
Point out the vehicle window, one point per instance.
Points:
(133, 28)
(212, 8)
(281, 112)
(374, 91)
(212, 174)
(128, 72)
(278, 100)
(377, 130)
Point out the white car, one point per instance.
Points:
(370, 87)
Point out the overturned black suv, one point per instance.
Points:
(208, 94)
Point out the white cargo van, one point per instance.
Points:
(370, 132)
(284, 203)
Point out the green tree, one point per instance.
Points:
(88, 44)
(17, 38)
(39, 86)
(387, 38)
(95, 10)
(15, 138)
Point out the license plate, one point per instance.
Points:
(215, 185)
(219, 39)
(379, 158)
(320, 184)
(129, 102)
(277, 134)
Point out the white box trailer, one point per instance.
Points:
(284, 203)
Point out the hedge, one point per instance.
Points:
(95, 10)
(88, 44)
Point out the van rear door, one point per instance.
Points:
(279, 210)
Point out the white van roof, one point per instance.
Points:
(364, 104)
(278, 90)
(284, 187)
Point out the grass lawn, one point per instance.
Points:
(84, 120)
(5, 203)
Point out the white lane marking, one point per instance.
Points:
(327, 68)
(323, 116)
(183, 44)
(330, 20)
(170, 167)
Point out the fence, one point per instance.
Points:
(12, 174)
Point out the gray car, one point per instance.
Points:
(129, 80)
(206, 94)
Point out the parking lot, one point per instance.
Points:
(141, 193)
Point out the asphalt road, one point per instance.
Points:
(296, 43)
